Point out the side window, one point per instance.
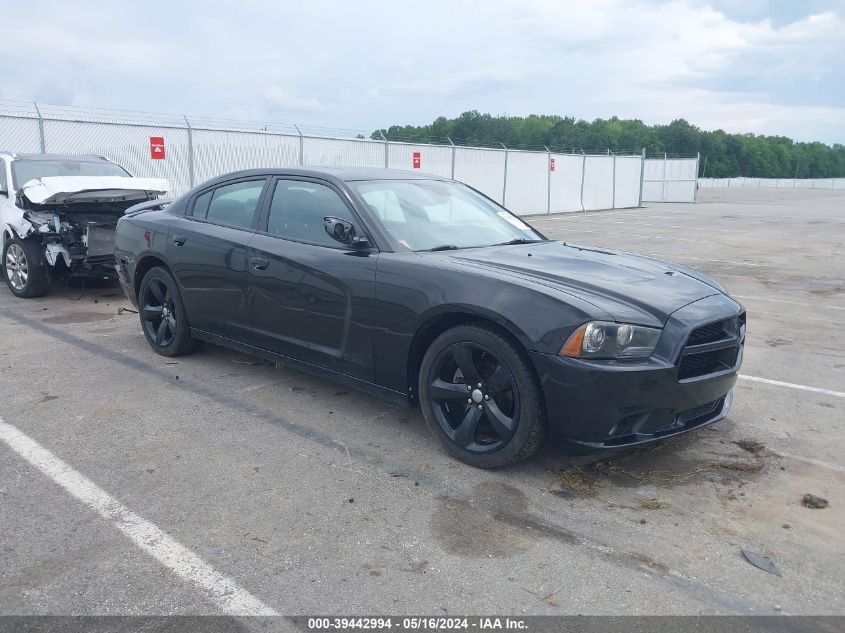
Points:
(4, 185)
(234, 204)
(201, 205)
(298, 210)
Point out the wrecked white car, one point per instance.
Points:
(58, 216)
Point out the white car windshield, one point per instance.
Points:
(25, 170)
(440, 215)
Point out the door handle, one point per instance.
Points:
(179, 240)
(259, 263)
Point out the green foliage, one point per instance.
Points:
(722, 154)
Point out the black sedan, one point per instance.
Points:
(423, 291)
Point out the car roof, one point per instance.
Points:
(345, 174)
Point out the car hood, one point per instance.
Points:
(62, 189)
(629, 287)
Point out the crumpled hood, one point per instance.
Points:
(61, 189)
(631, 288)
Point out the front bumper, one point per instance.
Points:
(611, 404)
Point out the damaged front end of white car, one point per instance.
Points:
(64, 226)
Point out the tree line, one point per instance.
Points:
(722, 154)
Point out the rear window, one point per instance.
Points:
(233, 205)
(25, 170)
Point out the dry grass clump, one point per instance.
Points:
(573, 480)
(742, 466)
(653, 504)
(669, 478)
(752, 446)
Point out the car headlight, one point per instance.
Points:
(603, 339)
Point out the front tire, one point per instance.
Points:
(162, 314)
(480, 398)
(25, 268)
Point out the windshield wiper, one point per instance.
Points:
(519, 240)
(444, 247)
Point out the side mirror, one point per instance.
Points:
(344, 232)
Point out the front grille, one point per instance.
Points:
(704, 412)
(711, 348)
(699, 364)
(707, 333)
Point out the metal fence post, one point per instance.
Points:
(40, 129)
(301, 145)
(191, 176)
(695, 182)
(663, 190)
(453, 156)
(583, 174)
(386, 150)
(505, 183)
(642, 177)
(548, 180)
(613, 199)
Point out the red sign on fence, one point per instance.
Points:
(157, 147)
(551, 164)
(417, 160)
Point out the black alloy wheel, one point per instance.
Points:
(474, 397)
(158, 313)
(162, 314)
(480, 397)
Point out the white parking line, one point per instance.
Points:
(811, 461)
(706, 259)
(797, 303)
(638, 222)
(792, 385)
(225, 592)
(650, 237)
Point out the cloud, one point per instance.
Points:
(374, 63)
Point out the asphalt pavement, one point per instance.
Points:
(219, 483)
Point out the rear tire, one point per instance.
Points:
(496, 424)
(162, 314)
(25, 268)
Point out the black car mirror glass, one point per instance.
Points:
(343, 232)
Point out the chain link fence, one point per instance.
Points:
(196, 149)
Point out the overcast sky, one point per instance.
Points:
(764, 66)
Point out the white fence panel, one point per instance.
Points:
(217, 152)
(434, 159)
(196, 151)
(526, 191)
(127, 145)
(627, 181)
(653, 180)
(343, 153)
(483, 169)
(598, 183)
(785, 183)
(670, 179)
(19, 135)
(565, 183)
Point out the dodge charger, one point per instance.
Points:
(421, 290)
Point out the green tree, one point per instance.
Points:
(726, 154)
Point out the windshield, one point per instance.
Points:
(25, 170)
(432, 214)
